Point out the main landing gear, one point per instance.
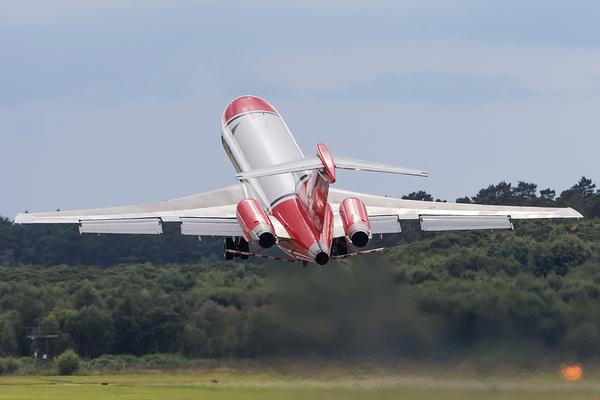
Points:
(236, 244)
(339, 247)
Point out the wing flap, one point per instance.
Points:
(210, 227)
(145, 226)
(385, 224)
(434, 223)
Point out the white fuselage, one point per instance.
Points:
(259, 139)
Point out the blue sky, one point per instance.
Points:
(119, 102)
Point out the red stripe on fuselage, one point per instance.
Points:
(245, 104)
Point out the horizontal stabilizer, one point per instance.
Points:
(313, 162)
(302, 164)
(360, 165)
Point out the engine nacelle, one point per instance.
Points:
(255, 223)
(356, 221)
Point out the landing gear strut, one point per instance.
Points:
(339, 247)
(236, 244)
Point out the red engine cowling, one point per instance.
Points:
(356, 221)
(255, 223)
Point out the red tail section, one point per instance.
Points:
(313, 192)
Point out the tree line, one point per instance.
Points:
(522, 295)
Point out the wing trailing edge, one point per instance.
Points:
(210, 213)
(437, 216)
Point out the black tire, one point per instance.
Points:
(245, 247)
(340, 246)
(228, 245)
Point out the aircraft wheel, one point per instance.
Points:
(228, 245)
(340, 246)
(245, 247)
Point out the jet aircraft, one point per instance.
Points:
(284, 198)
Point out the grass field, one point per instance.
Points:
(271, 386)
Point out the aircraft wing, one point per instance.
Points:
(211, 213)
(385, 213)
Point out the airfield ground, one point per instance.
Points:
(228, 385)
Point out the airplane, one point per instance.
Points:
(284, 198)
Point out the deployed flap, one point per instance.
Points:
(147, 226)
(379, 224)
(385, 224)
(211, 227)
(460, 222)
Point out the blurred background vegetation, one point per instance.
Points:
(520, 297)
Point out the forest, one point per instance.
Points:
(517, 296)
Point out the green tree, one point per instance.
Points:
(92, 331)
(585, 187)
(525, 194)
(162, 330)
(86, 296)
(8, 334)
(420, 195)
(581, 197)
(68, 362)
(127, 316)
(547, 196)
(563, 253)
(495, 194)
(9, 243)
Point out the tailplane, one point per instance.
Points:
(315, 162)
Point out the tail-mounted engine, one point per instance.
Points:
(356, 221)
(255, 223)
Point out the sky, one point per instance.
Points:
(119, 102)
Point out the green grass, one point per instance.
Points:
(272, 386)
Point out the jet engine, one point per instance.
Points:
(255, 223)
(356, 221)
